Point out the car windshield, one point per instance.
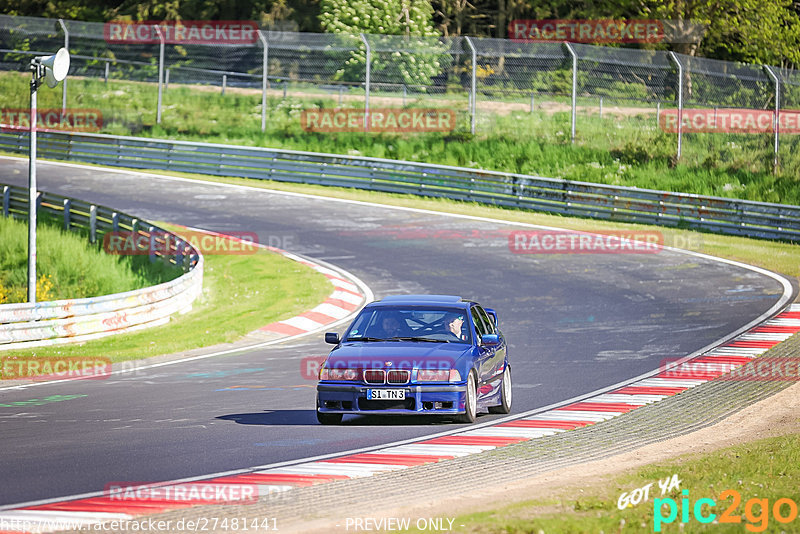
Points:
(413, 323)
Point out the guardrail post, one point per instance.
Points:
(115, 221)
(601, 107)
(67, 207)
(160, 71)
(106, 71)
(224, 83)
(366, 81)
(405, 93)
(533, 102)
(473, 85)
(574, 87)
(6, 199)
(152, 252)
(64, 82)
(679, 66)
(264, 78)
(776, 119)
(166, 79)
(92, 224)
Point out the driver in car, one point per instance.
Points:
(455, 326)
(390, 326)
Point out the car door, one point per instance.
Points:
(497, 358)
(485, 354)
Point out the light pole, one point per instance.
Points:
(52, 69)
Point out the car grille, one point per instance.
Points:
(374, 376)
(365, 405)
(398, 376)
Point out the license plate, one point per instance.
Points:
(386, 394)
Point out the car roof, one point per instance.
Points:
(408, 300)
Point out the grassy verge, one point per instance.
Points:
(68, 266)
(240, 294)
(765, 469)
(622, 149)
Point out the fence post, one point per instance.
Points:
(64, 82)
(366, 81)
(678, 64)
(106, 73)
(160, 71)
(92, 223)
(264, 76)
(152, 252)
(776, 118)
(601, 107)
(224, 83)
(166, 79)
(574, 87)
(67, 208)
(533, 102)
(473, 85)
(6, 199)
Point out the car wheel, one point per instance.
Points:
(329, 418)
(470, 402)
(505, 394)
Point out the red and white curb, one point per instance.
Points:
(348, 295)
(99, 508)
(346, 298)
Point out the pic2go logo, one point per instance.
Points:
(756, 511)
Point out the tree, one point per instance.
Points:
(412, 59)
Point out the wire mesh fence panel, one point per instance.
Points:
(620, 93)
(727, 116)
(427, 72)
(789, 123)
(524, 86)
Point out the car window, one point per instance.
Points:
(479, 324)
(490, 326)
(392, 322)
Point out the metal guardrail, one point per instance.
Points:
(626, 204)
(46, 323)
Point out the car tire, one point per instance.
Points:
(470, 402)
(329, 418)
(505, 394)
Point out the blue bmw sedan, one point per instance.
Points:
(417, 354)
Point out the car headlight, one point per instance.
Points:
(438, 375)
(339, 374)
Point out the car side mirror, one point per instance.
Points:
(490, 340)
(333, 338)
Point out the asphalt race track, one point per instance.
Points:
(574, 322)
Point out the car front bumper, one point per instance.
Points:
(434, 399)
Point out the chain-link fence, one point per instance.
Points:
(695, 109)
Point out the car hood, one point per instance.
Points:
(397, 355)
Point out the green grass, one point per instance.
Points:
(764, 469)
(73, 267)
(240, 294)
(621, 149)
